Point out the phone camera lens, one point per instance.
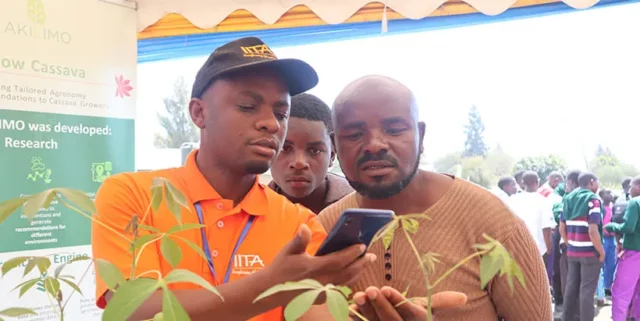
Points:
(349, 220)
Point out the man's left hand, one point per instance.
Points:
(387, 304)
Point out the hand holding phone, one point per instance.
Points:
(355, 226)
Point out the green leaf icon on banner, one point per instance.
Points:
(35, 11)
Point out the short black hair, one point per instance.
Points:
(626, 182)
(506, 180)
(309, 107)
(530, 177)
(519, 174)
(573, 176)
(585, 178)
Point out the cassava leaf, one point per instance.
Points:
(429, 260)
(11, 206)
(156, 196)
(26, 285)
(193, 246)
(337, 305)
(176, 194)
(13, 263)
(300, 305)
(489, 267)
(179, 275)
(79, 199)
(72, 285)
(345, 290)
(171, 251)
(172, 310)
(17, 312)
(52, 286)
(109, 274)
(143, 239)
(289, 286)
(128, 298)
(410, 225)
(37, 202)
(60, 267)
(184, 227)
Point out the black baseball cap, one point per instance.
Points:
(251, 52)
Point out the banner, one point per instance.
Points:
(67, 109)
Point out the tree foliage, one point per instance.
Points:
(484, 171)
(176, 121)
(543, 165)
(474, 144)
(609, 169)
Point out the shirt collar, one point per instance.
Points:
(198, 189)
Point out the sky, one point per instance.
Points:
(534, 80)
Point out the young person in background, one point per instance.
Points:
(581, 229)
(626, 284)
(300, 172)
(609, 241)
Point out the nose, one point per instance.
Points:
(376, 144)
(299, 162)
(268, 122)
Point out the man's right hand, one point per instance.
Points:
(601, 257)
(339, 268)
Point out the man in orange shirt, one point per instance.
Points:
(253, 238)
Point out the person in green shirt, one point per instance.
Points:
(627, 278)
(560, 250)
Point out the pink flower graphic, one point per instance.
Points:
(123, 87)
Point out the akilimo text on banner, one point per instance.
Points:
(67, 109)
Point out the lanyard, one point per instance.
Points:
(207, 251)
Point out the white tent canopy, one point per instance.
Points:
(209, 13)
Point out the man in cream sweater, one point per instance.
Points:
(379, 140)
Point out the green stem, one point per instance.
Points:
(137, 257)
(459, 264)
(425, 274)
(75, 209)
(79, 281)
(53, 306)
(356, 313)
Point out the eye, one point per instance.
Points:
(286, 148)
(395, 131)
(246, 107)
(315, 151)
(281, 116)
(353, 136)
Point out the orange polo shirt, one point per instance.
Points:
(276, 221)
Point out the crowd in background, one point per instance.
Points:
(588, 237)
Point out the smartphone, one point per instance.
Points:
(355, 226)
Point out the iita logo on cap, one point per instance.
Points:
(259, 51)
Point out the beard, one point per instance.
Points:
(381, 192)
(256, 168)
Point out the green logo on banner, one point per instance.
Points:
(35, 11)
(39, 171)
(36, 29)
(100, 171)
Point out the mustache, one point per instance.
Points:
(368, 157)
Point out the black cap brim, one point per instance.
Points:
(298, 75)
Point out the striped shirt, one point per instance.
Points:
(579, 241)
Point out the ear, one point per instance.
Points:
(333, 149)
(196, 111)
(422, 128)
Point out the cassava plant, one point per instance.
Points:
(132, 290)
(129, 291)
(495, 260)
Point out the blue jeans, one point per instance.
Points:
(600, 288)
(610, 261)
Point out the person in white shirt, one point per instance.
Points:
(507, 186)
(536, 211)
